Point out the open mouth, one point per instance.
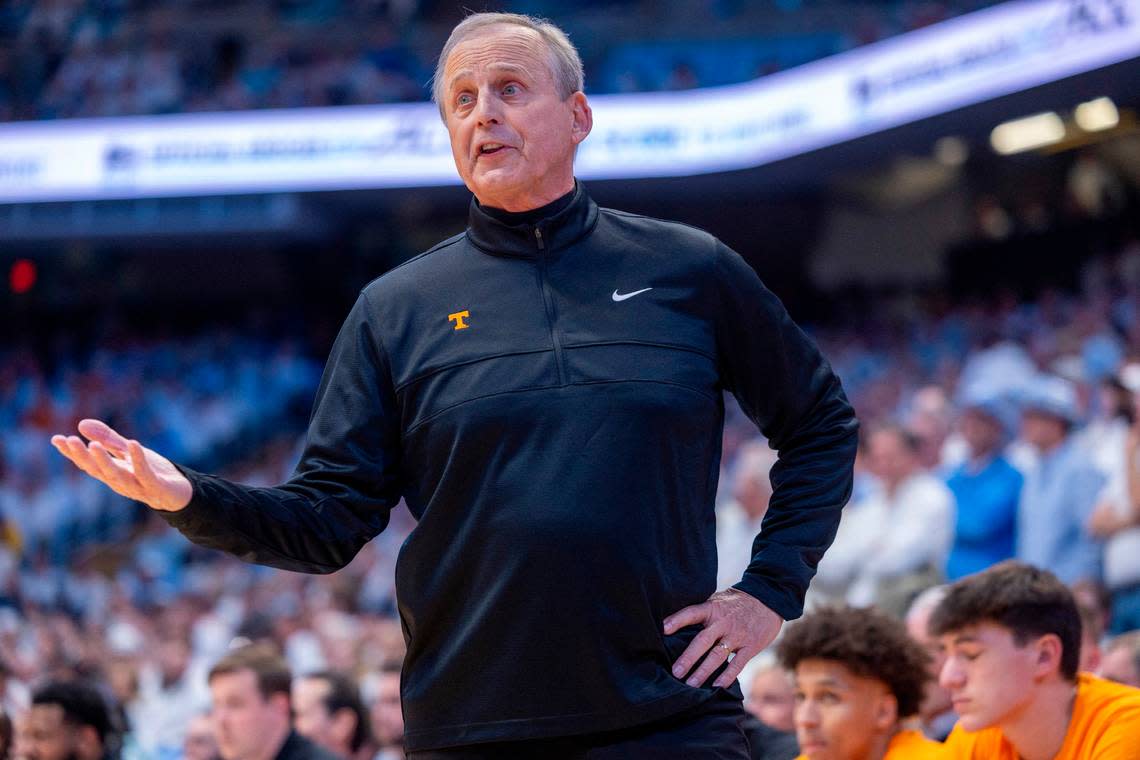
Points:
(490, 149)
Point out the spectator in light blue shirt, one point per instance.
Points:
(1060, 492)
(986, 487)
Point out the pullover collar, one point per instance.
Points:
(570, 221)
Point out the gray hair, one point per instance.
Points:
(565, 63)
(927, 601)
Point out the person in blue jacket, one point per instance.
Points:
(545, 392)
(986, 488)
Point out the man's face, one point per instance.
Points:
(512, 135)
(245, 723)
(936, 699)
(386, 713)
(981, 432)
(1040, 430)
(990, 678)
(772, 699)
(49, 736)
(312, 719)
(1119, 664)
(889, 458)
(839, 715)
(199, 743)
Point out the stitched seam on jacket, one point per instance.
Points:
(446, 409)
(436, 370)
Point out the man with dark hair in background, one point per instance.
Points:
(1012, 637)
(252, 716)
(386, 713)
(6, 735)
(69, 720)
(327, 709)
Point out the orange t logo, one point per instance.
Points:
(458, 318)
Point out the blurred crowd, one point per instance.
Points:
(998, 429)
(86, 58)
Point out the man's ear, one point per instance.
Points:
(886, 712)
(88, 746)
(344, 724)
(583, 117)
(1047, 651)
(279, 701)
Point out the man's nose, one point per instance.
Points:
(951, 674)
(487, 109)
(805, 715)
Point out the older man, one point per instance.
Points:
(544, 391)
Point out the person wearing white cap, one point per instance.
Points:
(1059, 494)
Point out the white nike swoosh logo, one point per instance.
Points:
(622, 296)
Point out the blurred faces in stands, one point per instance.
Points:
(772, 697)
(929, 420)
(1092, 630)
(513, 133)
(937, 711)
(1049, 412)
(892, 455)
(67, 721)
(250, 692)
(1121, 660)
(752, 486)
(387, 716)
(984, 434)
(327, 709)
(199, 743)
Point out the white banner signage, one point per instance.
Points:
(970, 59)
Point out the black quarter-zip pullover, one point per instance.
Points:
(547, 398)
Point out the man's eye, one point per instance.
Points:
(463, 99)
(510, 89)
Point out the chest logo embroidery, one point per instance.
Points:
(458, 318)
(622, 296)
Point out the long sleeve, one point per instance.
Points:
(344, 486)
(790, 392)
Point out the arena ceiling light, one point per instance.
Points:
(1097, 115)
(1031, 132)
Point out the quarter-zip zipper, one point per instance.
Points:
(548, 302)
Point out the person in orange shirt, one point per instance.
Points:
(1012, 637)
(858, 676)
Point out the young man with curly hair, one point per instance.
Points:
(1012, 637)
(858, 677)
